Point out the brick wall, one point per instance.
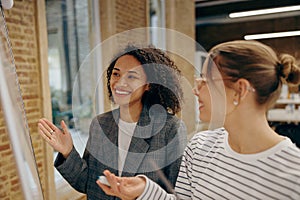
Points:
(23, 32)
(131, 14)
(117, 16)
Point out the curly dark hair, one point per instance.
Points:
(163, 77)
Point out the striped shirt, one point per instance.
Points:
(210, 169)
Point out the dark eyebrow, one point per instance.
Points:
(133, 72)
(130, 72)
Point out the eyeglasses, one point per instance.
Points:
(201, 80)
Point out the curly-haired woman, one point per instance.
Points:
(142, 136)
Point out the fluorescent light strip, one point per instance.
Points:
(272, 35)
(264, 11)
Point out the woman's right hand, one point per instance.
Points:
(60, 140)
(126, 188)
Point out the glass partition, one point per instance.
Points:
(15, 119)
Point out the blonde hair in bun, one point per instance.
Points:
(259, 64)
(289, 70)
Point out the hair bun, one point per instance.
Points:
(288, 69)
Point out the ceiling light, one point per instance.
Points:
(272, 35)
(264, 11)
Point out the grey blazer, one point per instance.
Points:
(155, 150)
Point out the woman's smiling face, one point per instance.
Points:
(202, 92)
(128, 81)
(211, 93)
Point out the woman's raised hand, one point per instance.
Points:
(60, 140)
(126, 188)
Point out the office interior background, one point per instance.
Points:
(51, 39)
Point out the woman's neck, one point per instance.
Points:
(131, 113)
(252, 135)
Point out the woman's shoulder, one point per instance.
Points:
(158, 115)
(105, 118)
(105, 114)
(115, 113)
(207, 137)
(290, 148)
(212, 134)
(176, 123)
(173, 118)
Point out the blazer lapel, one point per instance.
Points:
(109, 140)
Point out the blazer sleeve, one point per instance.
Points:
(74, 169)
(82, 173)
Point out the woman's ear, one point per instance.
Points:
(147, 87)
(243, 86)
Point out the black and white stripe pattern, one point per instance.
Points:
(210, 169)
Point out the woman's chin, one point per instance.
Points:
(121, 101)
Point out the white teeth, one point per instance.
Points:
(122, 92)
